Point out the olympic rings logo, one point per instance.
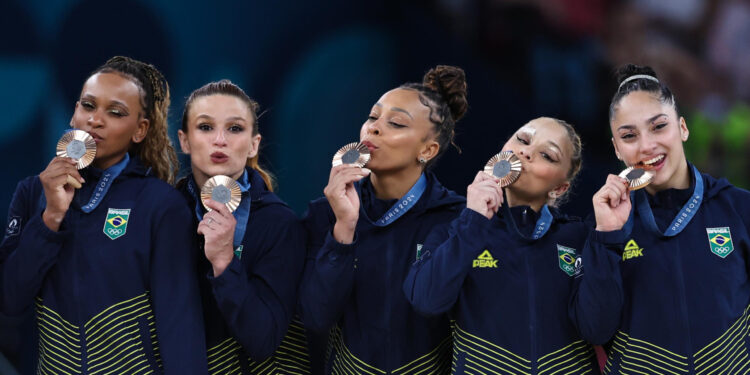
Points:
(114, 231)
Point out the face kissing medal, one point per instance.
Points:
(80, 146)
(222, 189)
(637, 177)
(353, 153)
(506, 166)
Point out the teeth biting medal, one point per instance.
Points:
(506, 166)
(638, 177)
(353, 153)
(222, 189)
(79, 146)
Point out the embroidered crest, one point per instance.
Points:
(116, 223)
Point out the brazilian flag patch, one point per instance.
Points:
(720, 240)
(116, 222)
(569, 262)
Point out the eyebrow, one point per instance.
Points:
(553, 144)
(397, 109)
(115, 101)
(652, 119)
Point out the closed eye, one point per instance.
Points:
(522, 140)
(87, 105)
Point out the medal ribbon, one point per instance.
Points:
(403, 205)
(542, 224)
(102, 187)
(683, 217)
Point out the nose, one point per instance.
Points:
(647, 146)
(95, 120)
(373, 127)
(220, 139)
(524, 153)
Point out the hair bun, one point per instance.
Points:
(450, 83)
(624, 72)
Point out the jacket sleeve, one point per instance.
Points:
(174, 290)
(434, 281)
(28, 251)
(258, 304)
(329, 273)
(597, 298)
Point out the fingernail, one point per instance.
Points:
(366, 170)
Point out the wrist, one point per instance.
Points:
(52, 219)
(344, 232)
(219, 265)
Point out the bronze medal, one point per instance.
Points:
(222, 189)
(79, 146)
(638, 178)
(354, 153)
(506, 166)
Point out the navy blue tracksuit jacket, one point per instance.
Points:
(249, 308)
(676, 305)
(356, 288)
(508, 295)
(115, 289)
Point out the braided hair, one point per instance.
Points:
(443, 91)
(156, 150)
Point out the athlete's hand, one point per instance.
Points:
(484, 195)
(58, 191)
(344, 201)
(612, 204)
(217, 228)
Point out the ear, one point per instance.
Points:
(184, 144)
(559, 190)
(684, 132)
(429, 150)
(141, 131)
(617, 152)
(254, 144)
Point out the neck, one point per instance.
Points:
(680, 180)
(108, 162)
(514, 200)
(394, 185)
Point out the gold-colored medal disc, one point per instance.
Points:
(638, 178)
(506, 166)
(78, 145)
(353, 153)
(222, 189)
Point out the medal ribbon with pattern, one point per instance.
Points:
(683, 217)
(403, 205)
(102, 187)
(542, 224)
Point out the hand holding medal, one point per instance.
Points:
(348, 163)
(79, 146)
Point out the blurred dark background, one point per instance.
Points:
(316, 68)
